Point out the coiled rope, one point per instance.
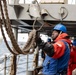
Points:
(3, 30)
(6, 22)
(9, 31)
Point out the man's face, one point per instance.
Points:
(54, 34)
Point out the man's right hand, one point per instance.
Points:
(38, 41)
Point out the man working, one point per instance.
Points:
(56, 61)
(72, 62)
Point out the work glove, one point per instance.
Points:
(48, 49)
(37, 69)
(39, 42)
(37, 38)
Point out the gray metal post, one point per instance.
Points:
(5, 65)
(16, 33)
(24, 1)
(27, 63)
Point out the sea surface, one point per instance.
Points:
(21, 60)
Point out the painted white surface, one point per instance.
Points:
(29, 1)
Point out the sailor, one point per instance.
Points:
(72, 62)
(57, 54)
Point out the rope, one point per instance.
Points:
(46, 10)
(60, 13)
(40, 15)
(30, 41)
(6, 29)
(9, 30)
(32, 35)
(63, 12)
(35, 58)
(16, 49)
(40, 27)
(34, 22)
(38, 6)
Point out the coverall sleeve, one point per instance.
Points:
(59, 49)
(69, 72)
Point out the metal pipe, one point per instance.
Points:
(5, 65)
(27, 63)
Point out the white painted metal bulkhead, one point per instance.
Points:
(53, 9)
(13, 1)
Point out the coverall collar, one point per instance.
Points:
(62, 37)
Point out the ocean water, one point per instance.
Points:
(21, 60)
